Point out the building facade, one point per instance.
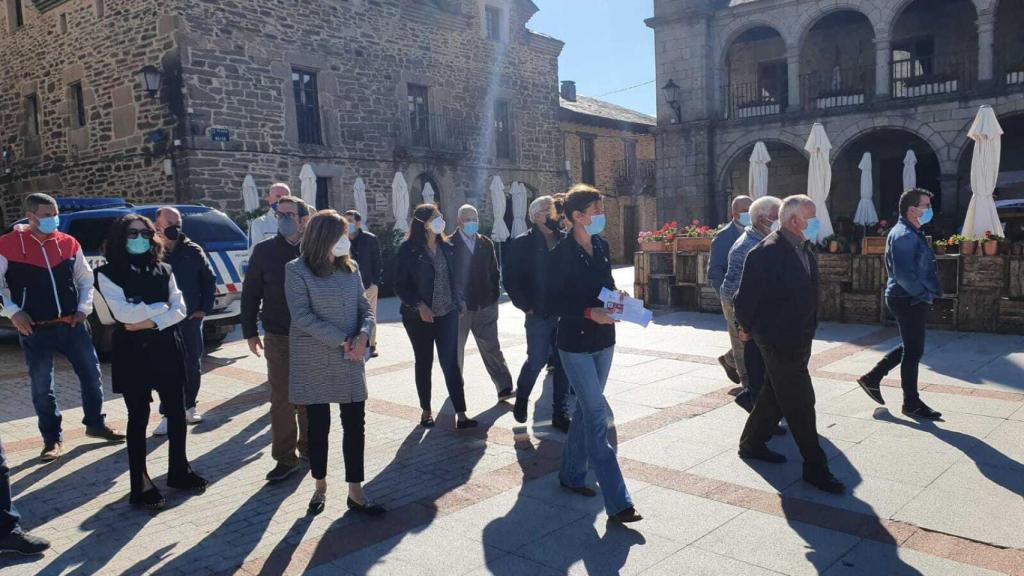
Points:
(883, 76)
(449, 92)
(612, 148)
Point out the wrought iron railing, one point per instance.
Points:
(837, 88)
(436, 132)
(753, 99)
(934, 75)
(633, 175)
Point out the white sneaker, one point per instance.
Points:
(192, 416)
(161, 428)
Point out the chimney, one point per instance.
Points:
(569, 90)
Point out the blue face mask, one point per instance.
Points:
(471, 228)
(811, 232)
(49, 225)
(926, 216)
(596, 226)
(138, 245)
(273, 207)
(745, 219)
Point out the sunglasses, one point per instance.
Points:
(135, 233)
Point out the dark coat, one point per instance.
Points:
(366, 252)
(527, 267)
(477, 272)
(575, 284)
(193, 274)
(263, 293)
(414, 276)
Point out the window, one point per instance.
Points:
(419, 110)
(32, 114)
(492, 15)
(19, 14)
(77, 105)
(913, 58)
(630, 160)
(587, 159)
(773, 82)
(307, 106)
(323, 193)
(502, 130)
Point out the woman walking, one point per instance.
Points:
(581, 268)
(146, 308)
(331, 326)
(431, 304)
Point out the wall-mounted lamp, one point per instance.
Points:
(149, 78)
(671, 90)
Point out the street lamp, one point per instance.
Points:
(149, 78)
(671, 90)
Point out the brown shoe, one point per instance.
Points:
(105, 433)
(51, 451)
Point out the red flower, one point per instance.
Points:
(695, 222)
(883, 223)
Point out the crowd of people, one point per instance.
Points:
(312, 285)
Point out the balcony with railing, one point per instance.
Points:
(755, 99)
(632, 176)
(435, 132)
(837, 88)
(933, 75)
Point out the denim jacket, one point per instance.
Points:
(737, 256)
(910, 263)
(720, 246)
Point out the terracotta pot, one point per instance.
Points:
(940, 250)
(1017, 249)
(693, 244)
(968, 248)
(652, 246)
(990, 248)
(833, 247)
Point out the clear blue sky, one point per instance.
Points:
(607, 47)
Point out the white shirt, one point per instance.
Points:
(262, 228)
(163, 314)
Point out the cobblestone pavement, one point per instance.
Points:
(942, 498)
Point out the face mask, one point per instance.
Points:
(926, 216)
(352, 228)
(596, 225)
(138, 246)
(342, 247)
(471, 228)
(775, 227)
(553, 225)
(745, 219)
(287, 227)
(811, 232)
(273, 207)
(49, 225)
(437, 225)
(172, 233)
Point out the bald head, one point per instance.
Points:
(740, 204)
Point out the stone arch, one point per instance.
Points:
(739, 152)
(739, 26)
(922, 130)
(895, 9)
(733, 151)
(808, 19)
(416, 189)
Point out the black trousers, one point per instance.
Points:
(137, 399)
(353, 440)
(787, 392)
(911, 320)
(9, 517)
(443, 332)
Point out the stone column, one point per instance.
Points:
(986, 39)
(883, 68)
(793, 68)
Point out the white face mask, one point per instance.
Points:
(342, 247)
(776, 226)
(437, 225)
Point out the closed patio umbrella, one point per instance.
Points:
(909, 171)
(400, 202)
(757, 175)
(819, 177)
(499, 232)
(250, 195)
(307, 185)
(518, 208)
(359, 195)
(981, 213)
(428, 193)
(866, 215)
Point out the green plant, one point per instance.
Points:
(842, 241)
(697, 230)
(941, 243)
(990, 237)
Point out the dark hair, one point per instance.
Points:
(300, 204)
(354, 215)
(33, 201)
(115, 248)
(579, 198)
(417, 231)
(912, 198)
(321, 234)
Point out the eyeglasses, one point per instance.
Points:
(135, 233)
(282, 215)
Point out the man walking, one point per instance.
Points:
(48, 295)
(12, 537)
(263, 296)
(265, 227)
(731, 361)
(913, 284)
(777, 305)
(527, 266)
(476, 272)
(365, 251)
(194, 276)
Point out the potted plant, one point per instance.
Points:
(940, 247)
(875, 243)
(990, 243)
(1017, 249)
(659, 240)
(968, 245)
(836, 244)
(695, 238)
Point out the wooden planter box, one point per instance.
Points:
(686, 297)
(834, 267)
(686, 268)
(640, 292)
(987, 272)
(830, 304)
(693, 244)
(1011, 316)
(867, 274)
(943, 314)
(1015, 277)
(660, 263)
(656, 246)
(872, 245)
(709, 300)
(659, 291)
(949, 273)
(861, 308)
(703, 259)
(977, 309)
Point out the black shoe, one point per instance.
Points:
(520, 411)
(105, 433)
(465, 424)
(281, 471)
(505, 394)
(628, 515)
(21, 542)
(745, 401)
(192, 482)
(921, 412)
(427, 422)
(581, 490)
(369, 508)
(561, 422)
(317, 503)
(729, 370)
(151, 500)
(780, 430)
(373, 352)
(871, 388)
(762, 453)
(825, 482)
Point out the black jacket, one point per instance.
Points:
(366, 252)
(778, 300)
(476, 272)
(193, 275)
(414, 275)
(527, 265)
(576, 281)
(263, 289)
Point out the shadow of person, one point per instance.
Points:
(41, 470)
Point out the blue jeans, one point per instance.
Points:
(192, 338)
(540, 341)
(8, 515)
(588, 434)
(75, 343)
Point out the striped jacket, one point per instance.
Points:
(737, 257)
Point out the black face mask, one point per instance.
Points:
(172, 233)
(553, 225)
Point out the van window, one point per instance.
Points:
(90, 232)
(211, 226)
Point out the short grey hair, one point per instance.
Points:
(793, 204)
(161, 210)
(467, 210)
(287, 189)
(540, 204)
(763, 206)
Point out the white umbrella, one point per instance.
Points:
(428, 193)
(819, 177)
(757, 175)
(910, 171)
(866, 215)
(981, 213)
(359, 195)
(400, 202)
(307, 185)
(499, 233)
(518, 208)
(250, 195)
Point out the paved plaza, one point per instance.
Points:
(925, 498)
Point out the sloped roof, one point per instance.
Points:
(587, 110)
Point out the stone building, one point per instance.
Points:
(612, 148)
(450, 92)
(883, 76)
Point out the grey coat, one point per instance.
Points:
(325, 312)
